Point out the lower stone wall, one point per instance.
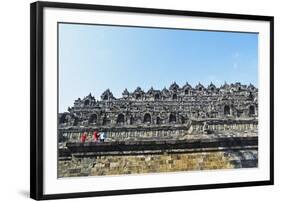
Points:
(155, 163)
(174, 132)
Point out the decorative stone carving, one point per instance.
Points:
(175, 106)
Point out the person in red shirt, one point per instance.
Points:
(84, 137)
(96, 136)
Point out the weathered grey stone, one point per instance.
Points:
(167, 113)
(212, 128)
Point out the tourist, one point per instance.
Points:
(102, 136)
(84, 137)
(96, 136)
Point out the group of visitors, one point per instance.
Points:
(97, 136)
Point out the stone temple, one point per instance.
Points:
(199, 108)
(175, 129)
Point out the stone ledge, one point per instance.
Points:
(162, 127)
(142, 147)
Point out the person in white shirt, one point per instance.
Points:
(102, 136)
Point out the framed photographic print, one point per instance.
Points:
(131, 100)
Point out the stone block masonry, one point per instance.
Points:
(176, 129)
(154, 163)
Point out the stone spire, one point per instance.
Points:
(174, 87)
(199, 86)
(212, 86)
(107, 95)
(187, 86)
(125, 92)
(150, 91)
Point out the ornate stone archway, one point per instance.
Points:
(147, 118)
(120, 119)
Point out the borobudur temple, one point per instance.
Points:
(165, 114)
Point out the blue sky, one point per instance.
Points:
(93, 58)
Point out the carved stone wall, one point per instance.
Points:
(175, 105)
(179, 109)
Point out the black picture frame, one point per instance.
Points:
(36, 98)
